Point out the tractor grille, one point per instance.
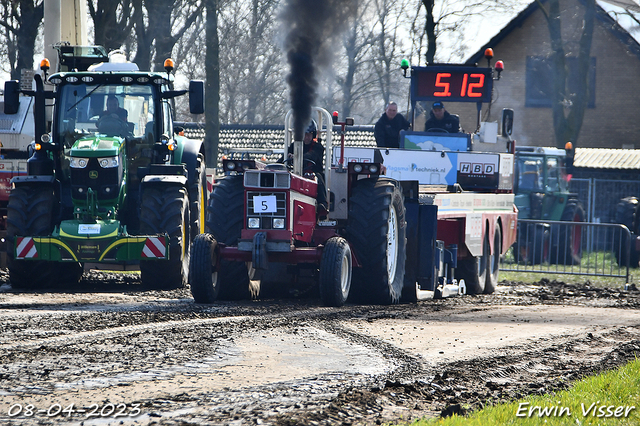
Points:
(266, 179)
(104, 182)
(275, 208)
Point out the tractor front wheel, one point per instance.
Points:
(335, 272)
(203, 274)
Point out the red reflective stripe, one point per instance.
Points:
(154, 247)
(26, 248)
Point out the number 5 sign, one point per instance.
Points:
(264, 204)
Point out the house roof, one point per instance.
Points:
(242, 139)
(605, 158)
(601, 15)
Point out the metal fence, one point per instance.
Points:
(576, 248)
(601, 196)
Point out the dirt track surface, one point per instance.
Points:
(122, 355)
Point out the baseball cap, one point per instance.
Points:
(437, 104)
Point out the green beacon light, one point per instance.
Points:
(404, 64)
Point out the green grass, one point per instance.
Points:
(616, 388)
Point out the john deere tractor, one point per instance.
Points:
(108, 186)
(542, 195)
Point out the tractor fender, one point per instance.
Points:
(164, 179)
(187, 153)
(35, 179)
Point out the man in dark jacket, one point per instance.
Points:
(387, 130)
(441, 119)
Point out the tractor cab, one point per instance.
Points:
(541, 182)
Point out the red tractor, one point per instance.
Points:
(263, 222)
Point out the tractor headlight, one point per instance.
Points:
(108, 162)
(357, 168)
(78, 162)
(254, 222)
(278, 223)
(373, 168)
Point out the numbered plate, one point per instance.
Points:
(264, 204)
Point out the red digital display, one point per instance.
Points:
(455, 84)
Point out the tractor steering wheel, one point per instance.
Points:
(112, 125)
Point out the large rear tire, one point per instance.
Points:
(376, 230)
(198, 199)
(335, 272)
(567, 249)
(203, 275)
(165, 208)
(30, 213)
(627, 215)
(225, 218)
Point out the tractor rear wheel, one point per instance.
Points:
(376, 230)
(198, 198)
(165, 208)
(225, 218)
(203, 271)
(30, 213)
(567, 248)
(627, 215)
(335, 272)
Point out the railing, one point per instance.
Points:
(576, 248)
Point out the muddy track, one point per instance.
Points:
(109, 343)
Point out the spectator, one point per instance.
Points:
(388, 127)
(441, 120)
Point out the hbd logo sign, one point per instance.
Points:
(477, 168)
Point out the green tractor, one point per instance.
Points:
(542, 193)
(111, 184)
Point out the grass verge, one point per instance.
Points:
(609, 398)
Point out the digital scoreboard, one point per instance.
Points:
(451, 83)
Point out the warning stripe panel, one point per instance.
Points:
(26, 249)
(154, 248)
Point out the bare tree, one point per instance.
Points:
(113, 21)
(568, 107)
(388, 48)
(354, 79)
(251, 73)
(19, 21)
(159, 26)
(212, 98)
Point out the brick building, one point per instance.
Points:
(610, 121)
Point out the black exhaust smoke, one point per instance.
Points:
(311, 27)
